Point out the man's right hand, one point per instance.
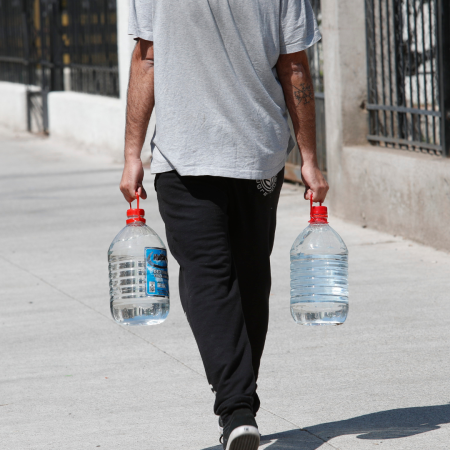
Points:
(314, 182)
(132, 177)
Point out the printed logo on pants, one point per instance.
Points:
(267, 186)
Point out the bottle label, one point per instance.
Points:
(157, 275)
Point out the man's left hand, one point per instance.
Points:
(132, 177)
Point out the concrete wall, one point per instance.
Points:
(93, 121)
(13, 106)
(396, 191)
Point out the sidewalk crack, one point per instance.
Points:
(122, 328)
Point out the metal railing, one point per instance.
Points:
(405, 74)
(91, 46)
(59, 45)
(15, 48)
(315, 57)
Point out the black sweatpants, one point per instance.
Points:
(221, 232)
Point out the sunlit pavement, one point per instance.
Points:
(73, 379)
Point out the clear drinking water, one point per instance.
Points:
(319, 274)
(138, 278)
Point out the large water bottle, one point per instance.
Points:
(138, 277)
(319, 273)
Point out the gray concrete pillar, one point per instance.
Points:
(345, 86)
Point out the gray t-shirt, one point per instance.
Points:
(220, 108)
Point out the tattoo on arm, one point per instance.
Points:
(303, 93)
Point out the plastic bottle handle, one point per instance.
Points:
(311, 203)
(137, 197)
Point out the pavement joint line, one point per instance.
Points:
(59, 174)
(122, 328)
(151, 343)
(377, 243)
(299, 427)
(49, 284)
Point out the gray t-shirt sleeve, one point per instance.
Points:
(298, 27)
(140, 23)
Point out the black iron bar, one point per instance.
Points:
(383, 78)
(371, 62)
(15, 60)
(404, 142)
(26, 49)
(409, 67)
(432, 30)
(439, 64)
(105, 33)
(368, 59)
(89, 32)
(402, 43)
(416, 71)
(75, 41)
(388, 27)
(424, 63)
(399, 67)
(374, 62)
(444, 74)
(93, 68)
(403, 109)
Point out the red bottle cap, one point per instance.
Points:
(135, 215)
(319, 214)
(135, 212)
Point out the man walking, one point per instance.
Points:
(222, 75)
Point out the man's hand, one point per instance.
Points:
(314, 182)
(133, 174)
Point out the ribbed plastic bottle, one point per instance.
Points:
(319, 273)
(138, 277)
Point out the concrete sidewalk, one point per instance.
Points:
(73, 379)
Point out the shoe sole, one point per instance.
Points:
(245, 437)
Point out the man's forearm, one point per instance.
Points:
(295, 78)
(140, 99)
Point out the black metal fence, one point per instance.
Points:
(15, 51)
(406, 62)
(59, 45)
(91, 46)
(315, 57)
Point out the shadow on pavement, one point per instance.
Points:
(392, 424)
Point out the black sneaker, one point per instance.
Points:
(241, 432)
